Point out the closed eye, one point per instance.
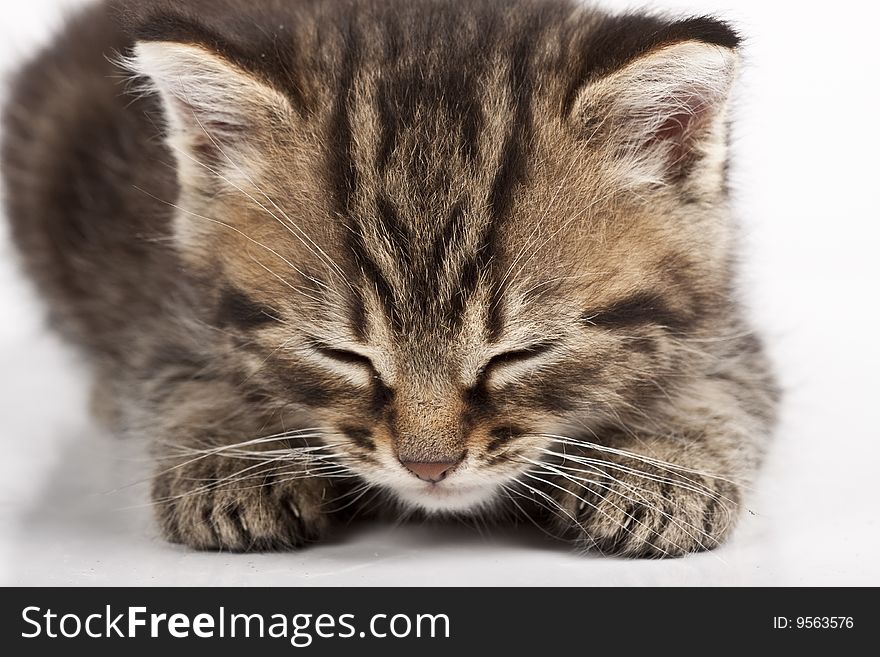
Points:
(514, 357)
(637, 310)
(346, 356)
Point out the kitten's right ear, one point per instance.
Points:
(215, 110)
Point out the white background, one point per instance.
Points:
(805, 182)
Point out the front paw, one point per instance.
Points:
(631, 508)
(222, 503)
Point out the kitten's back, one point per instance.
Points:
(77, 154)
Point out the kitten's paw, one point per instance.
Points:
(646, 511)
(220, 503)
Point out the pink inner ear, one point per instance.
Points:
(213, 123)
(211, 133)
(682, 127)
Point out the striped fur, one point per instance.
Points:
(489, 234)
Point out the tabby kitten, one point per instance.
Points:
(436, 256)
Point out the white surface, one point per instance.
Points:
(805, 171)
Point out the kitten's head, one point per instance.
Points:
(446, 233)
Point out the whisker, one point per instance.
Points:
(638, 491)
(639, 473)
(219, 451)
(509, 491)
(555, 506)
(584, 501)
(639, 457)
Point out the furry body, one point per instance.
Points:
(468, 257)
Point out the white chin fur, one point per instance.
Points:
(445, 498)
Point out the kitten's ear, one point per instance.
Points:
(662, 112)
(214, 109)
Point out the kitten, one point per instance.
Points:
(437, 256)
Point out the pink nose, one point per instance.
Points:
(432, 471)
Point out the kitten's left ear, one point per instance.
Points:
(214, 108)
(662, 112)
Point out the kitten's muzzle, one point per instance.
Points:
(432, 471)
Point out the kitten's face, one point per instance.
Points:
(441, 286)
